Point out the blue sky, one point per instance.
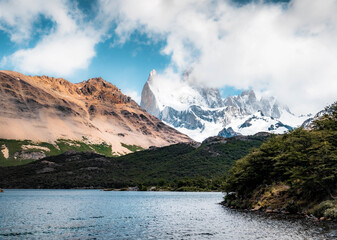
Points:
(127, 65)
(279, 48)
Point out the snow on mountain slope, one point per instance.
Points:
(202, 112)
(175, 93)
(257, 122)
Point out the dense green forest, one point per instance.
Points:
(293, 172)
(183, 167)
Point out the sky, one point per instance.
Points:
(285, 49)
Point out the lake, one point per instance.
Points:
(94, 214)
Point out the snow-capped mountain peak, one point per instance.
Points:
(202, 112)
(153, 73)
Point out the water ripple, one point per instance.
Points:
(93, 214)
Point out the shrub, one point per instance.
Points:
(320, 209)
(331, 213)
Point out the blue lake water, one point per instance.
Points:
(94, 214)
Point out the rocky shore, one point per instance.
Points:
(324, 211)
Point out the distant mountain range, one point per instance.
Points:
(47, 109)
(202, 112)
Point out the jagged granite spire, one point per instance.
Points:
(148, 100)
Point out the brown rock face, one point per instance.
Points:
(43, 108)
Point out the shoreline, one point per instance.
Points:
(104, 190)
(282, 214)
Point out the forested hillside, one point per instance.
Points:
(293, 172)
(184, 166)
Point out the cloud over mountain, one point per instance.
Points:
(286, 50)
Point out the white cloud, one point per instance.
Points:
(66, 47)
(133, 94)
(57, 55)
(288, 51)
(17, 17)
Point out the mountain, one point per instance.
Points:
(202, 112)
(308, 124)
(47, 109)
(177, 167)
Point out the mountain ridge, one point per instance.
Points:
(201, 112)
(42, 108)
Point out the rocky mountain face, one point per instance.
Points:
(308, 124)
(202, 112)
(328, 111)
(42, 108)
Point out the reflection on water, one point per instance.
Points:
(93, 214)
